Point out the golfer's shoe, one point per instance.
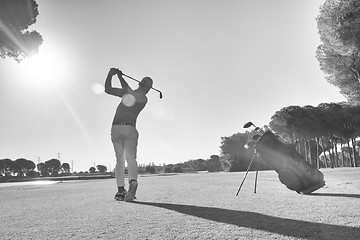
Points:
(130, 196)
(120, 196)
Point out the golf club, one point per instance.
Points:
(249, 124)
(139, 82)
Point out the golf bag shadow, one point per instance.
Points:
(293, 171)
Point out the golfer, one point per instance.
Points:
(124, 134)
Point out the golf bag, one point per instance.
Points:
(293, 171)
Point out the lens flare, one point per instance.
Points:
(97, 88)
(128, 100)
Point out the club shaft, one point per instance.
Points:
(139, 81)
(130, 77)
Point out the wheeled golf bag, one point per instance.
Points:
(293, 171)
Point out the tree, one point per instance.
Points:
(177, 169)
(101, 168)
(225, 162)
(92, 170)
(234, 151)
(42, 169)
(214, 164)
(195, 165)
(6, 166)
(150, 169)
(339, 53)
(52, 166)
(66, 168)
(292, 122)
(16, 41)
(349, 127)
(23, 166)
(2, 167)
(201, 164)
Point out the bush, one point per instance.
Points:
(177, 169)
(150, 169)
(141, 170)
(33, 174)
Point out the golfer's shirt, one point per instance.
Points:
(129, 108)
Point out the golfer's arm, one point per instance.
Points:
(123, 83)
(109, 89)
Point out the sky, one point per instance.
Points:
(219, 64)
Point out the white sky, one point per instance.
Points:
(219, 64)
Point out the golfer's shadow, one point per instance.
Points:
(258, 221)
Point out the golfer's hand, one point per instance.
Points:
(113, 71)
(119, 73)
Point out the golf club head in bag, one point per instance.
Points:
(293, 171)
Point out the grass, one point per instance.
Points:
(184, 206)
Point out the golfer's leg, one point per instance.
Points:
(130, 155)
(120, 164)
(118, 143)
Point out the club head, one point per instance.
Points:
(248, 124)
(161, 95)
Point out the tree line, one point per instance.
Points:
(212, 164)
(26, 168)
(325, 135)
(322, 129)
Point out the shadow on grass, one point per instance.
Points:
(335, 195)
(253, 220)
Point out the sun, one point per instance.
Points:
(46, 69)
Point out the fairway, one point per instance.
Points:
(184, 206)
